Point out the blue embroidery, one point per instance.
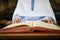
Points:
(29, 18)
(32, 5)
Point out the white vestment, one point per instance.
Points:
(41, 8)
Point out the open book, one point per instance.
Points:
(31, 26)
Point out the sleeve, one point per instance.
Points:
(16, 12)
(50, 11)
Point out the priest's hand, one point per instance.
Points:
(49, 21)
(17, 20)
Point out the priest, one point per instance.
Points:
(33, 10)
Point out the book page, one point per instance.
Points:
(34, 24)
(29, 23)
(45, 25)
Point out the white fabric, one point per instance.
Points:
(41, 8)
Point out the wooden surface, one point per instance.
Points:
(29, 36)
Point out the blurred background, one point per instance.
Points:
(7, 8)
